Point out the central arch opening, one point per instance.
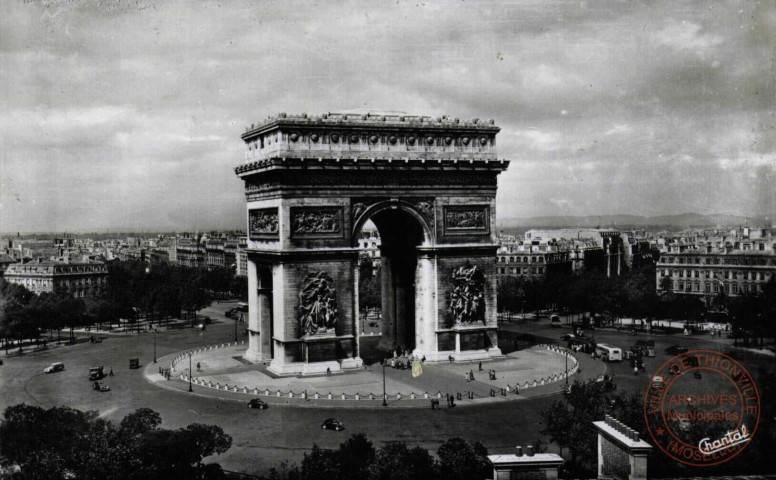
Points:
(400, 234)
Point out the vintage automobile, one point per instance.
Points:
(54, 367)
(332, 424)
(675, 350)
(257, 403)
(96, 373)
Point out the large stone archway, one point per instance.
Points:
(428, 185)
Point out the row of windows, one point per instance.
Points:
(521, 259)
(521, 271)
(714, 287)
(728, 274)
(718, 261)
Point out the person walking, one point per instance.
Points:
(199, 367)
(110, 373)
(480, 366)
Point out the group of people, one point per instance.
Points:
(470, 374)
(403, 360)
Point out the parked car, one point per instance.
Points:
(657, 382)
(54, 367)
(332, 424)
(676, 350)
(555, 321)
(257, 403)
(568, 337)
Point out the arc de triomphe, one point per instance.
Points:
(429, 185)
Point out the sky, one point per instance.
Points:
(127, 114)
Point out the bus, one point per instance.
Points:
(608, 353)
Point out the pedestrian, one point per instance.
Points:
(199, 367)
(450, 357)
(423, 360)
(635, 370)
(328, 371)
(110, 374)
(480, 366)
(433, 405)
(471, 375)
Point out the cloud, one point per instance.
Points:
(139, 110)
(688, 36)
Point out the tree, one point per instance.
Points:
(568, 423)
(460, 460)
(79, 444)
(355, 456)
(321, 465)
(395, 461)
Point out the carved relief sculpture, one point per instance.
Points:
(467, 300)
(304, 221)
(318, 304)
(426, 209)
(263, 222)
(468, 219)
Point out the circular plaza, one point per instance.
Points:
(221, 371)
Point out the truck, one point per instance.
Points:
(96, 373)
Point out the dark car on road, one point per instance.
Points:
(257, 403)
(332, 424)
(676, 350)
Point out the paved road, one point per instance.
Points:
(262, 439)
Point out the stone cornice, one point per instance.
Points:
(363, 162)
(368, 121)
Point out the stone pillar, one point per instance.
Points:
(253, 353)
(356, 307)
(265, 322)
(425, 307)
(388, 340)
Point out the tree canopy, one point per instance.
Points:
(65, 443)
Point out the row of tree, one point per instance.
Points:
(357, 459)
(633, 294)
(64, 443)
(134, 289)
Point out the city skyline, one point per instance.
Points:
(128, 117)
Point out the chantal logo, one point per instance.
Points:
(728, 440)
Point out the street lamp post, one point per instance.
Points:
(154, 345)
(567, 368)
(190, 389)
(385, 403)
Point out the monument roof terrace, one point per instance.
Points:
(368, 136)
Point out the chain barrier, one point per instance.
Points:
(370, 396)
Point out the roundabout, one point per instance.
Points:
(220, 371)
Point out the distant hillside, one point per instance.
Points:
(592, 221)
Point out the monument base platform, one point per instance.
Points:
(314, 368)
(255, 357)
(464, 356)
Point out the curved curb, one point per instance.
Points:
(404, 402)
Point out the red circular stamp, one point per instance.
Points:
(702, 408)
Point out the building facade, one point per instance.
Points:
(79, 279)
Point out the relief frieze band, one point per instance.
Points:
(467, 219)
(263, 223)
(317, 221)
